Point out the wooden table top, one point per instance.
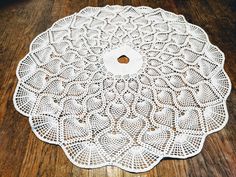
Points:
(24, 155)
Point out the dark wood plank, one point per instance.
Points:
(22, 154)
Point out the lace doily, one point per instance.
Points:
(123, 86)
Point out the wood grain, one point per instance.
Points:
(24, 155)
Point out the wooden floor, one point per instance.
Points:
(22, 154)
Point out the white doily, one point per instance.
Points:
(167, 96)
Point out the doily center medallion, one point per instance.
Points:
(123, 60)
(123, 86)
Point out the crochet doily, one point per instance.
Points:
(123, 86)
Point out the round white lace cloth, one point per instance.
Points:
(162, 103)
